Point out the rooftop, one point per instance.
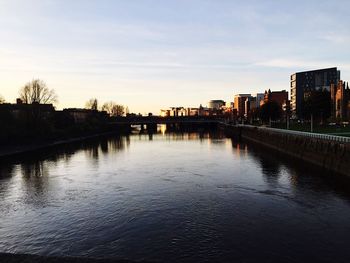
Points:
(315, 70)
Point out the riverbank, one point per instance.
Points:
(329, 153)
(10, 151)
(23, 258)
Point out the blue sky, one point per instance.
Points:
(154, 54)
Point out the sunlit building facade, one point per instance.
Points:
(240, 103)
(340, 101)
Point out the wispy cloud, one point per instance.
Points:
(202, 48)
(300, 64)
(337, 38)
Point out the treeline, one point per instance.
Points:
(113, 109)
(33, 119)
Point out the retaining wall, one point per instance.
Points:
(327, 153)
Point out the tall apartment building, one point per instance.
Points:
(303, 83)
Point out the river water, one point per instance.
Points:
(173, 197)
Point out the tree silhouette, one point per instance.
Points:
(92, 104)
(318, 103)
(113, 109)
(2, 100)
(36, 91)
(270, 110)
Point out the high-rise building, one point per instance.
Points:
(303, 83)
(240, 103)
(259, 97)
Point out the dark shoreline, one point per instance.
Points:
(23, 149)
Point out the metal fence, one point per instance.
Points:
(304, 134)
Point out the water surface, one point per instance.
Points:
(172, 197)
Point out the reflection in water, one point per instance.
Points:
(162, 128)
(240, 149)
(270, 169)
(35, 168)
(105, 146)
(298, 174)
(170, 197)
(6, 170)
(36, 183)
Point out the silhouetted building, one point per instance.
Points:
(340, 101)
(277, 96)
(192, 111)
(240, 104)
(203, 111)
(259, 97)
(303, 83)
(165, 113)
(249, 105)
(22, 110)
(84, 115)
(177, 111)
(182, 111)
(216, 104)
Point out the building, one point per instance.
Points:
(259, 97)
(240, 103)
(80, 116)
(177, 111)
(203, 111)
(216, 104)
(279, 97)
(340, 101)
(22, 111)
(303, 83)
(192, 112)
(164, 113)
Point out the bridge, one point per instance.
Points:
(146, 120)
(151, 122)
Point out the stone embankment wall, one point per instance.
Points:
(331, 155)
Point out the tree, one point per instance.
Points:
(318, 103)
(92, 104)
(270, 110)
(36, 91)
(113, 109)
(2, 100)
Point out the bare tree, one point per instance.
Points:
(113, 109)
(92, 104)
(119, 110)
(36, 91)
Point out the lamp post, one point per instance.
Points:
(312, 123)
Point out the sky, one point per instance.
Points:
(153, 54)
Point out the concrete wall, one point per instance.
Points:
(331, 155)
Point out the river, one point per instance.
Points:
(172, 197)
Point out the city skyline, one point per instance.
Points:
(154, 54)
